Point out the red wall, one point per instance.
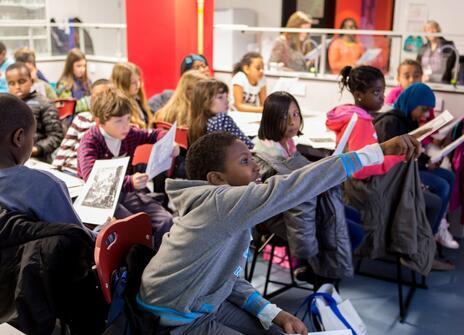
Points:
(383, 13)
(160, 33)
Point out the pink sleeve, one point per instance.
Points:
(393, 95)
(362, 135)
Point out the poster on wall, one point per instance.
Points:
(418, 14)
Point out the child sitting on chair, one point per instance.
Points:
(113, 136)
(49, 132)
(33, 192)
(207, 247)
(66, 155)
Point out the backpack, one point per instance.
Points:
(124, 317)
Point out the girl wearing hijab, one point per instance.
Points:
(412, 108)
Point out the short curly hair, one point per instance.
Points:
(207, 154)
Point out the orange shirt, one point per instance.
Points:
(342, 53)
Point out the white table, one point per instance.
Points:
(74, 184)
(315, 133)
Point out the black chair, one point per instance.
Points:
(264, 238)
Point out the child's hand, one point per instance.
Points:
(175, 150)
(402, 145)
(290, 324)
(432, 166)
(139, 180)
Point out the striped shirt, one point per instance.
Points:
(66, 155)
(93, 147)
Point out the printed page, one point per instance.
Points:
(99, 197)
(433, 125)
(161, 154)
(446, 150)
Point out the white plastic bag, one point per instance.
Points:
(331, 312)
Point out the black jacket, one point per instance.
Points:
(44, 275)
(49, 132)
(448, 53)
(391, 124)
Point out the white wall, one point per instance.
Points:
(268, 12)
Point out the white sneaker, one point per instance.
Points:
(444, 237)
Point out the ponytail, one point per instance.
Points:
(359, 78)
(345, 76)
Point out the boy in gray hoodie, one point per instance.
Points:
(194, 282)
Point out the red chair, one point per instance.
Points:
(142, 154)
(181, 138)
(181, 133)
(65, 107)
(113, 243)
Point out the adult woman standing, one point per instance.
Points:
(437, 56)
(290, 48)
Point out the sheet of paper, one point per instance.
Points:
(433, 125)
(161, 154)
(346, 135)
(446, 150)
(369, 55)
(69, 180)
(6, 329)
(99, 197)
(443, 132)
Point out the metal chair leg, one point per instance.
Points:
(269, 268)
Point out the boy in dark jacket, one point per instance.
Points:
(49, 132)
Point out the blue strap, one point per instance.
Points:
(310, 302)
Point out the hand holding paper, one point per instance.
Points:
(139, 180)
(402, 145)
(432, 126)
(446, 150)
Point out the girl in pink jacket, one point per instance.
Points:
(367, 85)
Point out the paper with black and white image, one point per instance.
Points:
(346, 135)
(446, 150)
(433, 125)
(161, 154)
(100, 195)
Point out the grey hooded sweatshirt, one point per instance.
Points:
(200, 260)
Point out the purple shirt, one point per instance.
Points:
(93, 147)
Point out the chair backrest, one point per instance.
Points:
(113, 243)
(181, 133)
(142, 154)
(65, 107)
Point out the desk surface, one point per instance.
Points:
(315, 133)
(73, 184)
